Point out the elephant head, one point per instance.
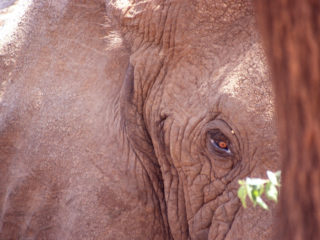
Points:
(198, 109)
(134, 125)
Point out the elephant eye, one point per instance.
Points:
(219, 142)
(222, 145)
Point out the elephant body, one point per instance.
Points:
(113, 116)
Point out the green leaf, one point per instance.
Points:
(261, 203)
(272, 192)
(273, 178)
(278, 175)
(255, 181)
(242, 194)
(255, 193)
(255, 187)
(242, 182)
(249, 191)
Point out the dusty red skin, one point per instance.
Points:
(105, 121)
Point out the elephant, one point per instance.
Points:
(125, 119)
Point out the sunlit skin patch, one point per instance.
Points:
(10, 20)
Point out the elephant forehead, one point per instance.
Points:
(249, 83)
(245, 80)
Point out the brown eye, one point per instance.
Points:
(219, 142)
(222, 144)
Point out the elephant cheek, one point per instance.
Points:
(223, 218)
(251, 223)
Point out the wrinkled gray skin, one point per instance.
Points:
(107, 118)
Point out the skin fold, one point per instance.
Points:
(133, 120)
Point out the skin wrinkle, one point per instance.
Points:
(199, 193)
(230, 226)
(179, 141)
(146, 25)
(218, 195)
(151, 174)
(193, 134)
(192, 131)
(183, 136)
(173, 32)
(168, 163)
(166, 156)
(153, 75)
(162, 23)
(178, 135)
(181, 207)
(169, 201)
(165, 45)
(173, 200)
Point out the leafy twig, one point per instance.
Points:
(255, 187)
